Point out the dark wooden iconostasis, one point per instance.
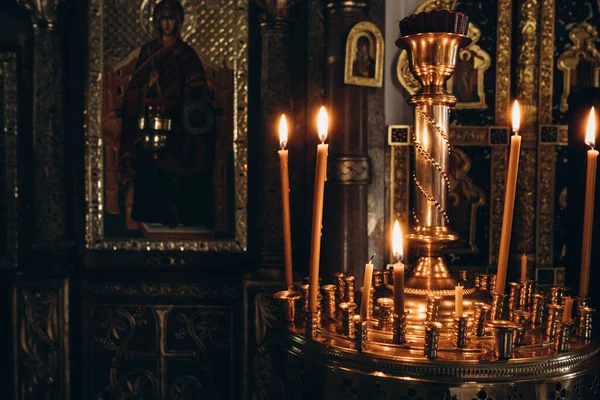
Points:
(92, 310)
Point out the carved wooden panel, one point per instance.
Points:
(160, 341)
(40, 312)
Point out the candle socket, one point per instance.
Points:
(432, 336)
(521, 318)
(340, 287)
(584, 324)
(312, 324)
(460, 331)
(484, 282)
(288, 303)
(563, 334)
(527, 288)
(537, 309)
(492, 283)
(385, 318)
(579, 303)
(480, 316)
(555, 312)
(513, 298)
(556, 294)
(361, 334)
(350, 288)
(497, 306)
(433, 308)
(329, 308)
(399, 336)
(504, 332)
(348, 312)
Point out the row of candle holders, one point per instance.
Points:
(525, 310)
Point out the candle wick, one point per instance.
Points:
(283, 144)
(372, 257)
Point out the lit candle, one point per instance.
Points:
(458, 300)
(285, 201)
(509, 200)
(317, 219)
(398, 270)
(366, 291)
(588, 210)
(523, 267)
(567, 314)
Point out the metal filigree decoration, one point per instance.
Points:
(528, 61)
(546, 61)
(580, 63)
(219, 33)
(351, 170)
(9, 131)
(42, 355)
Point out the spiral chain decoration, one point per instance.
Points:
(430, 198)
(435, 126)
(435, 164)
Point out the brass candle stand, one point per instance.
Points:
(426, 352)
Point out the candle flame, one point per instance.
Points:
(283, 131)
(397, 242)
(323, 124)
(590, 136)
(516, 117)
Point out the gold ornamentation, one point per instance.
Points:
(155, 289)
(41, 331)
(546, 61)
(469, 136)
(9, 115)
(528, 60)
(497, 188)
(223, 41)
(42, 11)
(503, 47)
(545, 206)
(351, 170)
(472, 60)
(580, 63)
(367, 71)
(399, 182)
(524, 226)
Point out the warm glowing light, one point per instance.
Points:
(323, 123)
(590, 135)
(516, 117)
(397, 242)
(283, 131)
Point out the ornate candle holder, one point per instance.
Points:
(361, 334)
(492, 282)
(350, 288)
(526, 295)
(556, 294)
(460, 331)
(432, 335)
(555, 312)
(497, 306)
(399, 333)
(348, 312)
(385, 318)
(584, 325)
(312, 323)
(513, 298)
(288, 303)
(340, 287)
(503, 338)
(479, 318)
(521, 318)
(433, 308)
(561, 339)
(329, 306)
(537, 309)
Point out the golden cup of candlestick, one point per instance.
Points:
(432, 59)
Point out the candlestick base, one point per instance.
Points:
(497, 306)
(288, 304)
(503, 338)
(361, 334)
(399, 335)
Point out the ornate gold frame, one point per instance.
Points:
(373, 31)
(8, 75)
(233, 49)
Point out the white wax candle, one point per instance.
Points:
(285, 202)
(366, 291)
(523, 267)
(317, 220)
(458, 301)
(509, 201)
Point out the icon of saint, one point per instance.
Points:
(363, 65)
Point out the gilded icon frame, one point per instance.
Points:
(233, 16)
(375, 38)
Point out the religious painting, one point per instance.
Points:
(364, 56)
(8, 157)
(167, 125)
(467, 82)
(580, 63)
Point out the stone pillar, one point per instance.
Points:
(48, 127)
(274, 99)
(345, 242)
